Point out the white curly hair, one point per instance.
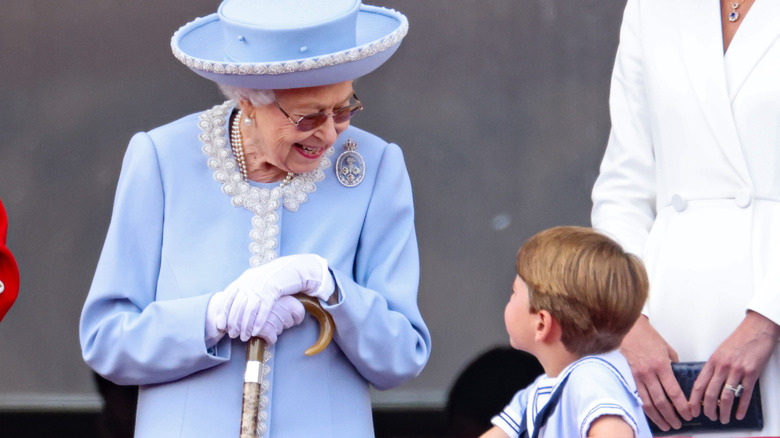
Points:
(256, 97)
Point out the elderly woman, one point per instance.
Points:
(221, 216)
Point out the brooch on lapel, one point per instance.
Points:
(350, 166)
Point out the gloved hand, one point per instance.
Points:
(246, 303)
(287, 312)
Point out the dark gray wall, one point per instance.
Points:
(500, 107)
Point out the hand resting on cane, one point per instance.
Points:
(287, 312)
(243, 308)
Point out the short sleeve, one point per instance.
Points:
(605, 394)
(510, 418)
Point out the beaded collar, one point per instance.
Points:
(263, 202)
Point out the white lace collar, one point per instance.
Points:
(262, 202)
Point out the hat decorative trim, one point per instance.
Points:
(268, 69)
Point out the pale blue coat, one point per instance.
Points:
(175, 239)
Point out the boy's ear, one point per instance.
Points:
(547, 327)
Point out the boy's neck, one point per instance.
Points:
(554, 358)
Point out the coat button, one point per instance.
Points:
(679, 203)
(2, 287)
(743, 199)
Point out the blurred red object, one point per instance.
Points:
(9, 271)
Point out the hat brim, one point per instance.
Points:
(200, 46)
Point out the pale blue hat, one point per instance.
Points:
(275, 44)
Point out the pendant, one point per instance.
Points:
(350, 165)
(734, 15)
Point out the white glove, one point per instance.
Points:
(287, 312)
(213, 313)
(246, 303)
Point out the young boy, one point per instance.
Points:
(576, 295)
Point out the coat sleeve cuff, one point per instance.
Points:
(766, 301)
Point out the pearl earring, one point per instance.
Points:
(248, 121)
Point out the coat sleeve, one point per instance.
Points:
(624, 194)
(126, 334)
(378, 322)
(766, 300)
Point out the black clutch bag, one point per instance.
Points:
(686, 373)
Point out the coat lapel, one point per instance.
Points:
(701, 37)
(755, 36)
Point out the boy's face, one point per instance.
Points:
(519, 320)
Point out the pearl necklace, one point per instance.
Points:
(237, 144)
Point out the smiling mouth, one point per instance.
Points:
(309, 151)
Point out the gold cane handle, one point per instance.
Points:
(327, 326)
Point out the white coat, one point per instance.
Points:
(691, 176)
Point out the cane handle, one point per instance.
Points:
(327, 326)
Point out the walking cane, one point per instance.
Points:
(254, 374)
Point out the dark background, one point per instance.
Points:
(500, 107)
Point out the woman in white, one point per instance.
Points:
(691, 182)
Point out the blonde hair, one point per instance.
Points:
(587, 282)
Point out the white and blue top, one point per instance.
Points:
(590, 387)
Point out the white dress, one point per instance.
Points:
(691, 176)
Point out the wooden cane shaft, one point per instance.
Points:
(250, 405)
(250, 409)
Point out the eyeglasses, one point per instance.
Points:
(315, 120)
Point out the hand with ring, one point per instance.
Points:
(740, 358)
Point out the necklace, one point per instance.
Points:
(734, 15)
(237, 144)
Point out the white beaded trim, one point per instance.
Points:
(262, 202)
(300, 65)
(265, 385)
